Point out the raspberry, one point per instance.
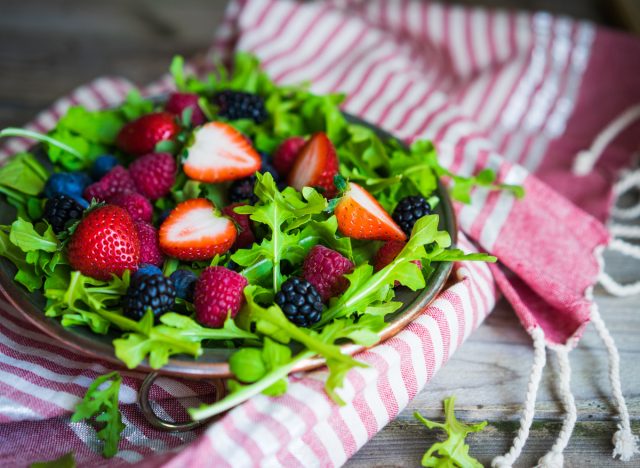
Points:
(300, 302)
(234, 105)
(185, 282)
(154, 174)
(325, 269)
(60, 210)
(245, 234)
(409, 210)
(179, 102)
(148, 291)
(117, 180)
(150, 252)
(241, 190)
(286, 154)
(136, 205)
(218, 292)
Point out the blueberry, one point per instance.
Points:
(71, 184)
(102, 165)
(146, 269)
(184, 282)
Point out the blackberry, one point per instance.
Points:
(185, 282)
(300, 302)
(267, 166)
(61, 209)
(409, 210)
(235, 105)
(151, 290)
(241, 190)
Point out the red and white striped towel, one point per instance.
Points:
(515, 92)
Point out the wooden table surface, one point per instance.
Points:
(48, 47)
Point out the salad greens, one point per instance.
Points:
(65, 461)
(288, 224)
(101, 402)
(453, 452)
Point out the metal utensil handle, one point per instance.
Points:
(163, 424)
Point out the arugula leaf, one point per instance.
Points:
(135, 106)
(96, 126)
(102, 403)
(65, 461)
(461, 186)
(22, 177)
(283, 213)
(453, 452)
(27, 239)
(175, 335)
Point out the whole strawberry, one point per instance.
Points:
(150, 252)
(179, 102)
(136, 205)
(143, 134)
(286, 154)
(154, 174)
(218, 293)
(105, 243)
(325, 269)
(116, 181)
(245, 234)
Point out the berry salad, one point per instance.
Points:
(236, 214)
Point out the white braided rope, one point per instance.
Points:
(586, 159)
(625, 443)
(624, 230)
(539, 361)
(627, 182)
(554, 457)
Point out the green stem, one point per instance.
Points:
(20, 132)
(235, 398)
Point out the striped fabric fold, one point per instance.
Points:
(503, 90)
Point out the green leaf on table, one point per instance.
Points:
(101, 402)
(454, 451)
(65, 461)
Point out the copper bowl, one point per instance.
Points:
(213, 362)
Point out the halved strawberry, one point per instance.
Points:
(316, 165)
(218, 153)
(360, 216)
(194, 231)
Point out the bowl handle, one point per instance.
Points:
(163, 424)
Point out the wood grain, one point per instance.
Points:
(48, 47)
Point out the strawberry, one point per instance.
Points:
(179, 102)
(286, 154)
(316, 165)
(154, 174)
(245, 234)
(218, 293)
(143, 134)
(219, 153)
(105, 243)
(360, 216)
(194, 231)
